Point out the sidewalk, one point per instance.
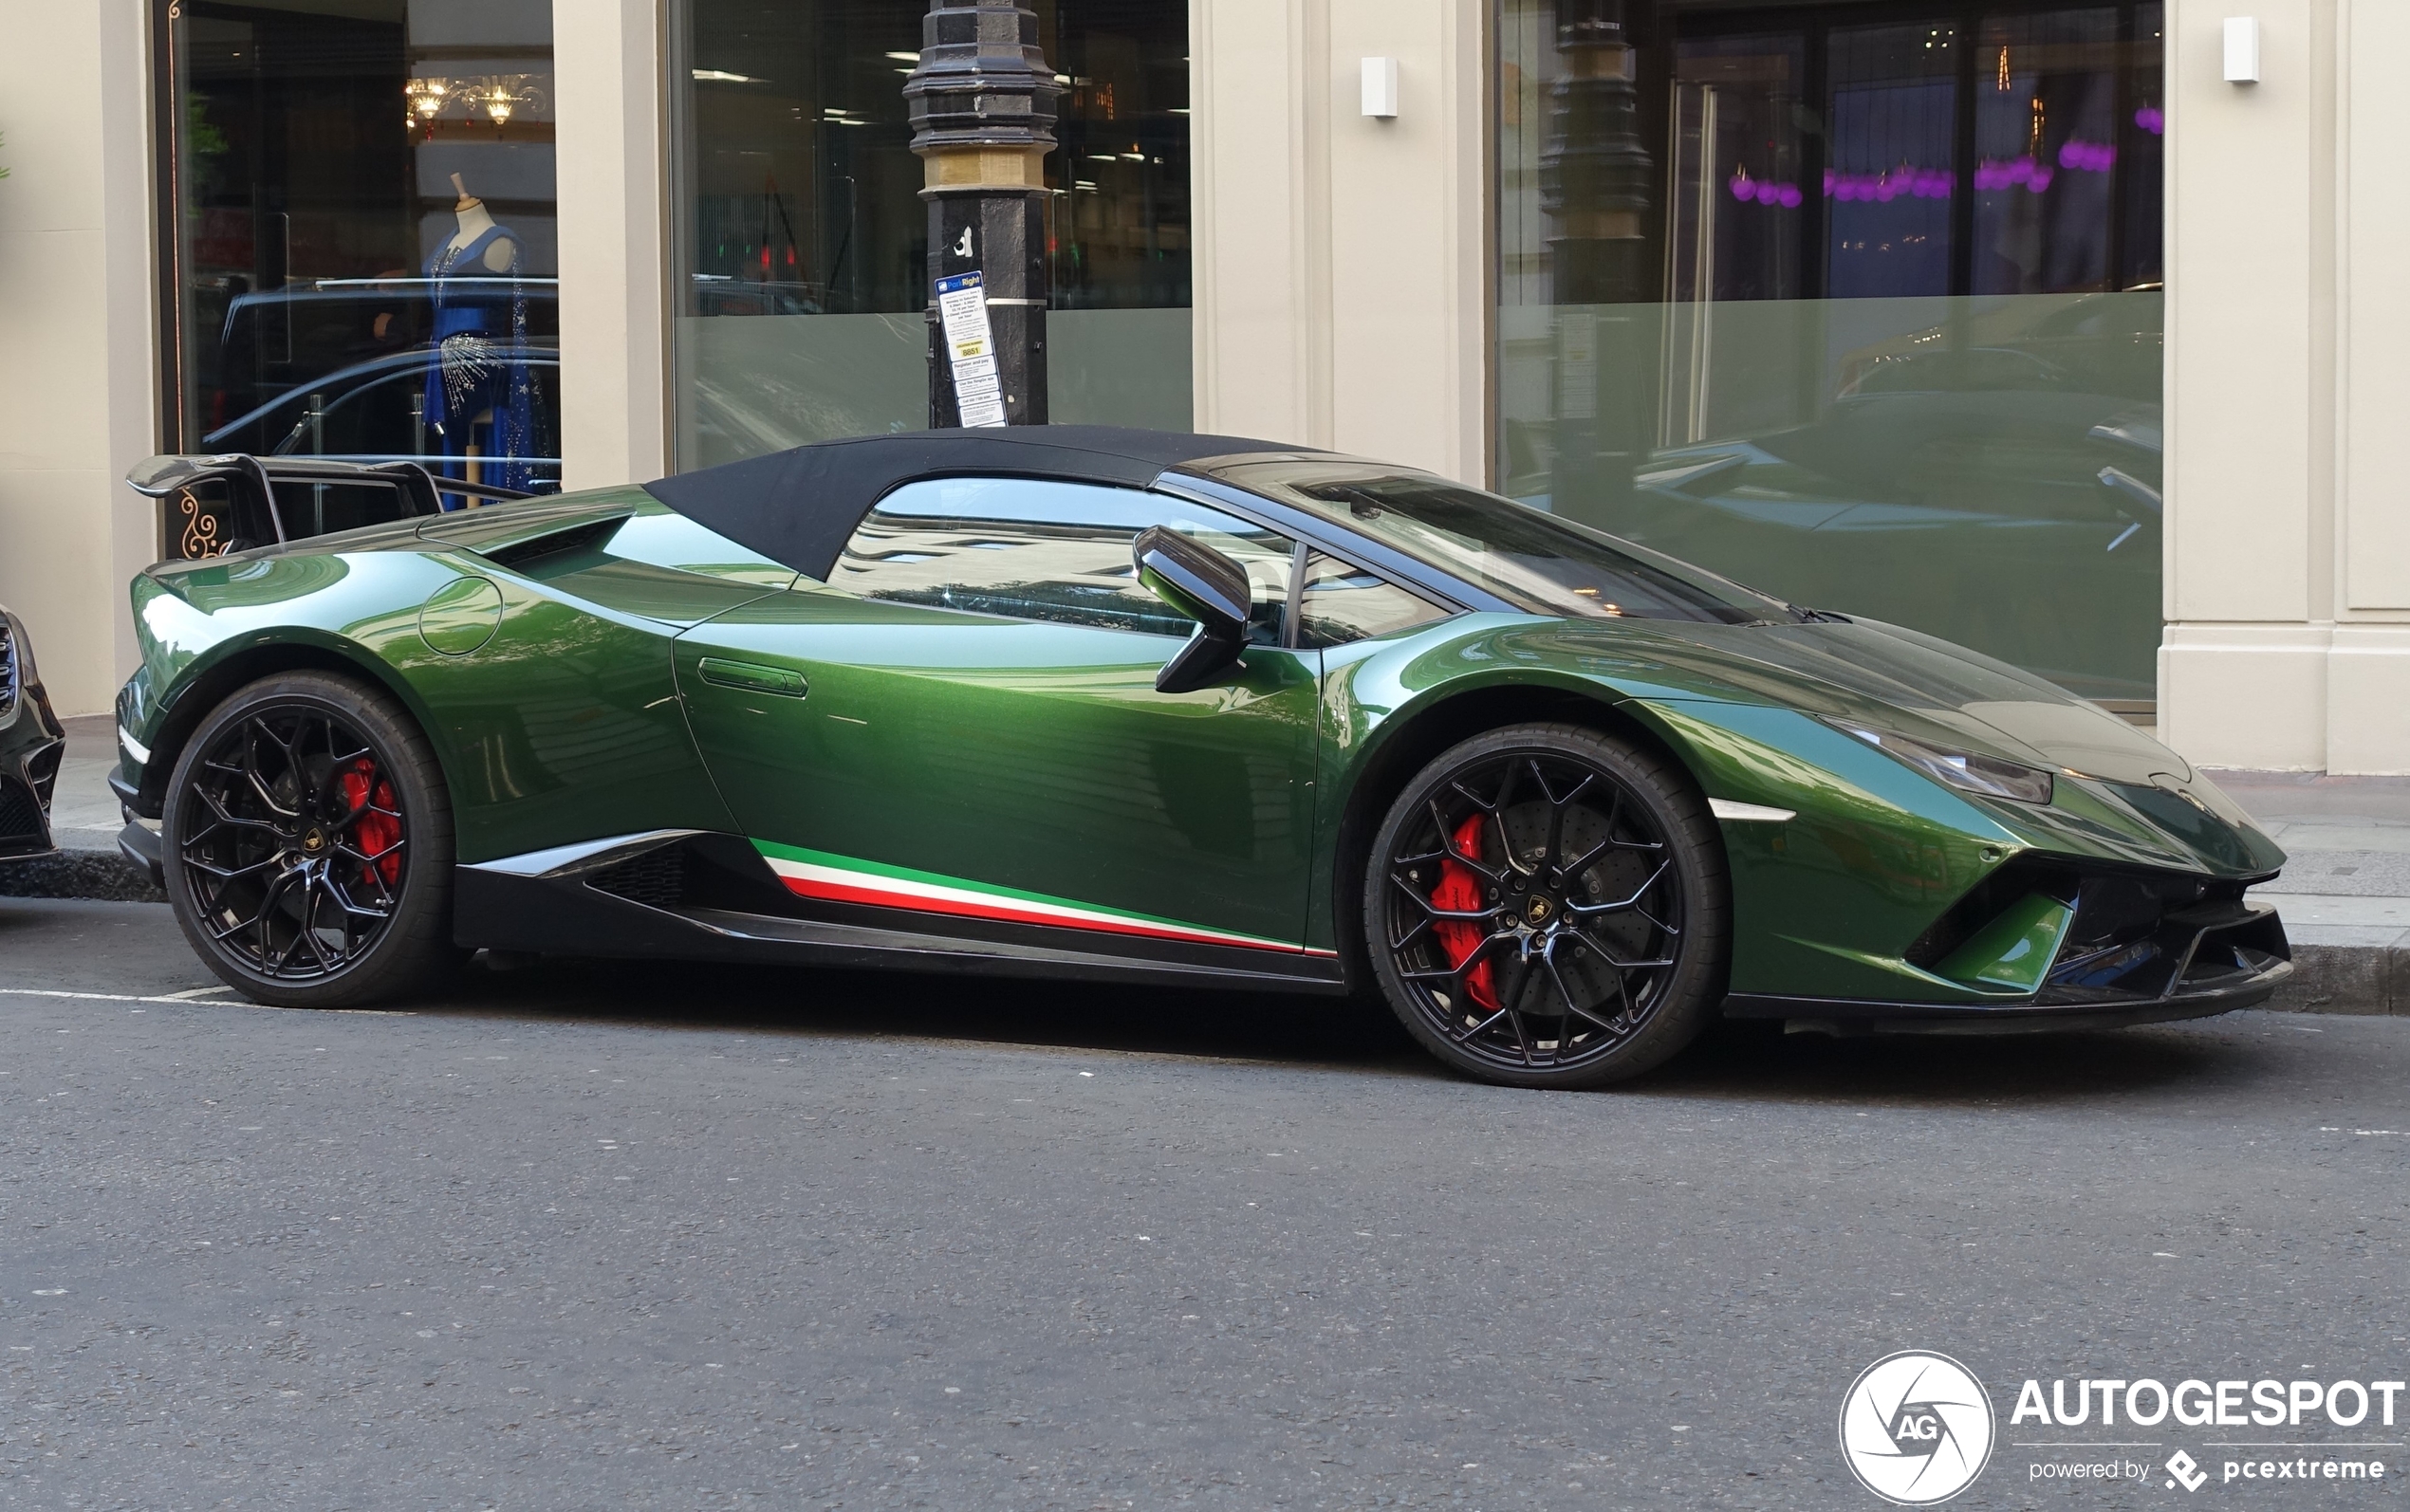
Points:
(2344, 893)
(83, 815)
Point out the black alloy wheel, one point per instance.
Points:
(1547, 906)
(307, 844)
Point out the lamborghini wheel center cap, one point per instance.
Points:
(1537, 910)
(313, 840)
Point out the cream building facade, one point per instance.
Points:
(1345, 289)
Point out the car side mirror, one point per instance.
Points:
(1206, 586)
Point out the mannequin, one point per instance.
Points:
(475, 220)
(480, 396)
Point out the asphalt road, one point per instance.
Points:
(600, 1237)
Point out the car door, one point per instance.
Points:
(962, 724)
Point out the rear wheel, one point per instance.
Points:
(1546, 906)
(307, 845)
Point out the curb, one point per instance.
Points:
(2356, 979)
(93, 875)
(2368, 981)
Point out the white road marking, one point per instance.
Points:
(187, 999)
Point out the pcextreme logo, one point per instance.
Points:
(1916, 1428)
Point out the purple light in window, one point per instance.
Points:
(1765, 191)
(2151, 119)
(2014, 173)
(1914, 183)
(2088, 157)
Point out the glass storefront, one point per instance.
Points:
(361, 253)
(800, 232)
(1857, 302)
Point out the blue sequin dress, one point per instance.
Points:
(480, 364)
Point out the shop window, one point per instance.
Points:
(799, 236)
(362, 256)
(1859, 304)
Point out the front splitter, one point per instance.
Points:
(1855, 1016)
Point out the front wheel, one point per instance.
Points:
(1546, 906)
(307, 845)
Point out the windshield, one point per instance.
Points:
(1532, 560)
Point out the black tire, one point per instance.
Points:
(306, 845)
(1587, 941)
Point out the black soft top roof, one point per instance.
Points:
(799, 508)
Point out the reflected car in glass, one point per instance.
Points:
(351, 369)
(1134, 707)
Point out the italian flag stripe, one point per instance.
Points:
(843, 879)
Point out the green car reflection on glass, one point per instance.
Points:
(1134, 706)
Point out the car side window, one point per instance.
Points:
(1034, 549)
(1339, 603)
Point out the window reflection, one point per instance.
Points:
(1339, 603)
(1859, 306)
(1051, 551)
(362, 233)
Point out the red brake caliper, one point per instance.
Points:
(1459, 890)
(376, 831)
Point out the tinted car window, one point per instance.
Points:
(1339, 603)
(1536, 560)
(1056, 551)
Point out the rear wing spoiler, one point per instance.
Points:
(213, 505)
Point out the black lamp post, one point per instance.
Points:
(982, 106)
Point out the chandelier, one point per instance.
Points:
(493, 99)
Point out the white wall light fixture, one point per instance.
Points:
(2242, 49)
(1380, 88)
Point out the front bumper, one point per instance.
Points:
(2209, 958)
(25, 813)
(32, 742)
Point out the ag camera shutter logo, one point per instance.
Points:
(1917, 1427)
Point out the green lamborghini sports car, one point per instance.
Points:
(1187, 710)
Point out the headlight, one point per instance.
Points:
(1964, 770)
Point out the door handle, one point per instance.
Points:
(753, 677)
